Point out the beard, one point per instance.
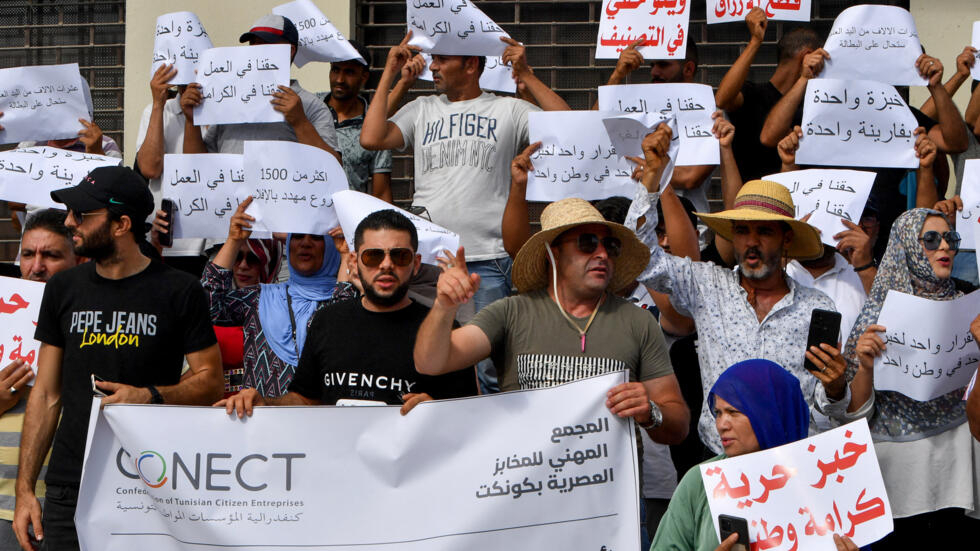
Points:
(98, 245)
(769, 263)
(383, 300)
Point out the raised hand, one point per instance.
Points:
(757, 22)
(521, 165)
(813, 63)
(516, 56)
(655, 152)
(723, 129)
(925, 148)
(788, 146)
(399, 55)
(160, 83)
(240, 227)
(456, 284)
(91, 136)
(930, 68)
(630, 59)
(189, 99)
(869, 346)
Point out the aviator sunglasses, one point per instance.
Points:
(589, 242)
(400, 256)
(931, 240)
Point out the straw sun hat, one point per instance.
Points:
(531, 271)
(765, 201)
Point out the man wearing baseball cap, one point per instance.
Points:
(120, 326)
(308, 121)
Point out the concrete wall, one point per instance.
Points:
(944, 28)
(225, 21)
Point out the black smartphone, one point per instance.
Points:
(729, 525)
(170, 208)
(824, 328)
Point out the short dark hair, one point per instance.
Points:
(389, 219)
(614, 209)
(795, 40)
(363, 52)
(52, 220)
(481, 63)
(692, 51)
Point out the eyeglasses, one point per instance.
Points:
(589, 242)
(932, 239)
(250, 258)
(400, 256)
(80, 216)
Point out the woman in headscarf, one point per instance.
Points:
(274, 317)
(927, 501)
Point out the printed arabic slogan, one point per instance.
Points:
(930, 353)
(970, 195)
(352, 206)
(575, 158)
(453, 27)
(877, 43)
(828, 196)
(660, 25)
(555, 470)
(238, 83)
(29, 175)
(20, 302)
(856, 123)
(180, 39)
(692, 104)
(725, 11)
(203, 187)
(798, 495)
(41, 103)
(495, 76)
(291, 185)
(319, 39)
(626, 131)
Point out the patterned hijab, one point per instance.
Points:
(906, 269)
(269, 253)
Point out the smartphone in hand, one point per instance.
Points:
(728, 525)
(170, 208)
(824, 328)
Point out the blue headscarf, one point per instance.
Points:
(306, 293)
(769, 396)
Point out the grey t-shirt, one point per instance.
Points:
(463, 151)
(537, 347)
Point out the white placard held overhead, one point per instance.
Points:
(496, 75)
(970, 195)
(576, 158)
(725, 11)
(29, 175)
(180, 40)
(238, 84)
(453, 27)
(876, 43)
(20, 303)
(203, 186)
(42, 102)
(354, 206)
(319, 39)
(627, 130)
(975, 71)
(661, 26)
(292, 186)
(799, 495)
(554, 470)
(931, 352)
(828, 196)
(856, 123)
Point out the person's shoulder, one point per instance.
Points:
(693, 475)
(71, 276)
(178, 279)
(811, 296)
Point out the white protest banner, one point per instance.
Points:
(725, 11)
(453, 27)
(877, 43)
(29, 175)
(238, 83)
(930, 353)
(970, 195)
(292, 185)
(20, 303)
(353, 206)
(496, 74)
(41, 103)
(554, 469)
(799, 495)
(975, 71)
(203, 186)
(663, 29)
(692, 104)
(319, 39)
(576, 158)
(856, 123)
(627, 131)
(828, 196)
(180, 40)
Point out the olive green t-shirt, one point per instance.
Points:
(534, 346)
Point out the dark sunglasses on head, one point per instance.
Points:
(400, 256)
(589, 242)
(249, 258)
(932, 239)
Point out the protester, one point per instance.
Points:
(46, 246)
(307, 119)
(910, 434)
(123, 323)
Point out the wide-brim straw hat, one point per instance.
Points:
(531, 269)
(765, 201)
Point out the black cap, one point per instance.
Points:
(273, 29)
(117, 188)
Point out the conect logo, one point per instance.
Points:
(151, 462)
(215, 471)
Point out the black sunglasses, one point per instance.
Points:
(400, 256)
(589, 242)
(932, 239)
(250, 258)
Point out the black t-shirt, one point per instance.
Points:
(754, 160)
(352, 353)
(134, 331)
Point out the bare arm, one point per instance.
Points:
(869, 346)
(973, 412)
(633, 400)
(377, 132)
(630, 59)
(516, 56)
(972, 115)
(690, 177)
(515, 226)
(731, 180)
(780, 118)
(150, 154)
(410, 73)
(193, 140)
(949, 134)
(964, 62)
(729, 94)
(926, 193)
(381, 186)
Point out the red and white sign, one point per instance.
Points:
(20, 303)
(724, 11)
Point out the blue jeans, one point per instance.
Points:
(494, 284)
(965, 266)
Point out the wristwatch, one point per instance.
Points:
(155, 396)
(656, 418)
